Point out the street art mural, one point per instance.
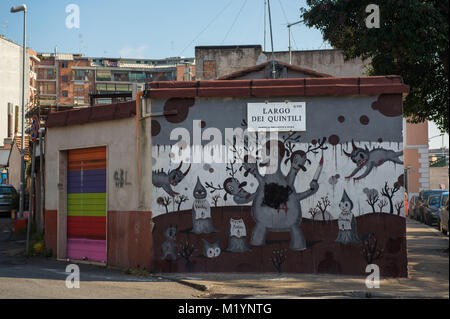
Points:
(369, 159)
(285, 205)
(346, 222)
(161, 179)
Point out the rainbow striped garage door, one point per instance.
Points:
(86, 204)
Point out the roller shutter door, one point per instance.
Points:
(86, 204)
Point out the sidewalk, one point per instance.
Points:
(428, 270)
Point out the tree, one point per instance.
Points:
(382, 203)
(372, 197)
(399, 206)
(164, 201)
(322, 206)
(389, 192)
(412, 42)
(179, 200)
(215, 200)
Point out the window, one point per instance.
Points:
(433, 201)
(101, 87)
(103, 75)
(46, 74)
(123, 87)
(137, 76)
(78, 94)
(80, 75)
(16, 119)
(121, 76)
(46, 88)
(65, 78)
(65, 93)
(64, 65)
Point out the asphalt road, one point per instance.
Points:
(428, 270)
(38, 277)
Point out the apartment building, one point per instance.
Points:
(71, 80)
(11, 88)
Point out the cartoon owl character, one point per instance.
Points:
(211, 250)
(201, 211)
(237, 241)
(347, 222)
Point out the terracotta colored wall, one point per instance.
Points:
(51, 229)
(417, 134)
(438, 177)
(129, 239)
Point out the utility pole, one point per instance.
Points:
(271, 42)
(265, 13)
(289, 31)
(15, 9)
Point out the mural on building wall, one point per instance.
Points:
(293, 213)
(369, 159)
(161, 179)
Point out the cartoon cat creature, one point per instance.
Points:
(169, 179)
(169, 245)
(370, 159)
(211, 250)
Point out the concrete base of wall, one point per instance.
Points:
(129, 238)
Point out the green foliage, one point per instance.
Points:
(412, 42)
(137, 272)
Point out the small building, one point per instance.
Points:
(177, 181)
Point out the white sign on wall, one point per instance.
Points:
(276, 116)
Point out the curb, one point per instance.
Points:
(191, 284)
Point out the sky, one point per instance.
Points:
(160, 29)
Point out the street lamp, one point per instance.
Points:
(15, 9)
(289, 33)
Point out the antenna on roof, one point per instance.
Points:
(271, 42)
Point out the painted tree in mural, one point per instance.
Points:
(215, 200)
(275, 203)
(389, 192)
(322, 206)
(399, 206)
(179, 200)
(164, 201)
(278, 258)
(372, 197)
(381, 204)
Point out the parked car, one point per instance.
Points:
(421, 203)
(8, 195)
(443, 224)
(432, 211)
(411, 205)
